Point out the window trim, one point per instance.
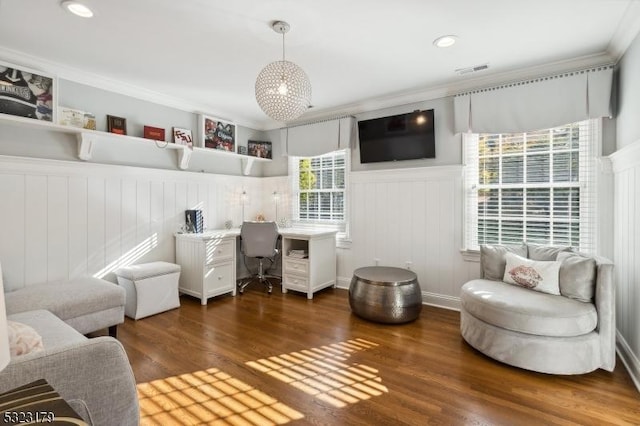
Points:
(342, 226)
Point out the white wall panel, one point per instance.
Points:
(113, 223)
(96, 214)
(36, 244)
(61, 220)
(78, 226)
(410, 217)
(12, 229)
(626, 214)
(57, 228)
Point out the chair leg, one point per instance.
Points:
(113, 331)
(261, 276)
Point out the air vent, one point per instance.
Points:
(462, 71)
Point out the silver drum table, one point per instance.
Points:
(385, 294)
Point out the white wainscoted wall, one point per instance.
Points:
(63, 219)
(626, 169)
(410, 218)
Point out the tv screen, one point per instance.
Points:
(400, 137)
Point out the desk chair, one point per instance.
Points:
(259, 240)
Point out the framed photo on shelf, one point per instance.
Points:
(76, 118)
(117, 125)
(182, 137)
(27, 93)
(261, 149)
(217, 134)
(154, 133)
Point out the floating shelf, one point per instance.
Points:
(89, 139)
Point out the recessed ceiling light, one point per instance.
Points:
(445, 41)
(77, 8)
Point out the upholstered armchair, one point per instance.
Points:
(566, 329)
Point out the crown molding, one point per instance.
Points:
(448, 89)
(372, 104)
(628, 29)
(121, 87)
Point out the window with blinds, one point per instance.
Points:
(319, 186)
(538, 187)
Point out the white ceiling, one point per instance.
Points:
(206, 54)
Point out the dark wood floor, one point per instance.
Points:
(257, 359)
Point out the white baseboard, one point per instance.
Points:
(343, 283)
(629, 359)
(441, 301)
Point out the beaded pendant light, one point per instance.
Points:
(283, 89)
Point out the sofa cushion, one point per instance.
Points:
(577, 276)
(492, 261)
(536, 275)
(54, 332)
(525, 311)
(72, 299)
(545, 252)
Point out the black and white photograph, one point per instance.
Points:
(27, 93)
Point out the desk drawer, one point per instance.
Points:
(298, 266)
(216, 250)
(296, 283)
(218, 279)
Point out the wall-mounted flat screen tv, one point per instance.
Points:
(400, 137)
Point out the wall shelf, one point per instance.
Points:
(89, 139)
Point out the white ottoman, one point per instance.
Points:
(151, 288)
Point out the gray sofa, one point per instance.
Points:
(92, 375)
(569, 333)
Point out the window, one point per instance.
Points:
(319, 189)
(537, 187)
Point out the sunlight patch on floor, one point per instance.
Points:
(324, 374)
(209, 397)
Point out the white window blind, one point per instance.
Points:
(538, 187)
(319, 189)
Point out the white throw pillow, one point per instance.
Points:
(536, 275)
(23, 339)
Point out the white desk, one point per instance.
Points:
(208, 261)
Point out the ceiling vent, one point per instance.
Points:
(462, 71)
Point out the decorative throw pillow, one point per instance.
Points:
(544, 252)
(577, 276)
(23, 339)
(492, 261)
(532, 274)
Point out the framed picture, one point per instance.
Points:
(218, 134)
(182, 137)
(27, 93)
(76, 118)
(259, 149)
(117, 125)
(155, 133)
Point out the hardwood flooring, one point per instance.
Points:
(257, 359)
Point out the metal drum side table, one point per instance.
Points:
(385, 294)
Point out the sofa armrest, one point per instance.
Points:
(605, 300)
(96, 371)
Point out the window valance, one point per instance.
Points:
(536, 104)
(309, 140)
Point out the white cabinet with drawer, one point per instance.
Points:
(317, 270)
(208, 264)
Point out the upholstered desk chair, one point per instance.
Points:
(259, 240)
